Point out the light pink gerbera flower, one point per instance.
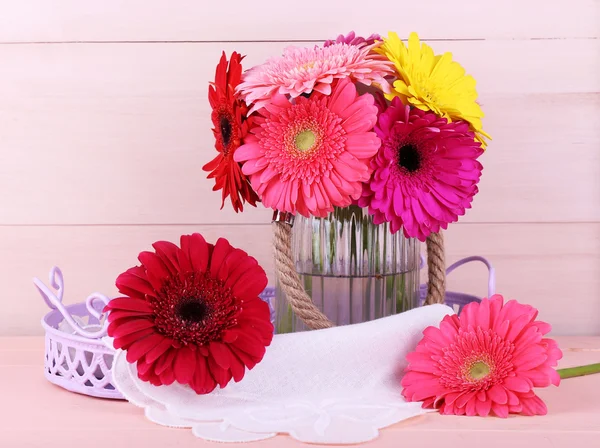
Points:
(352, 39)
(487, 360)
(312, 155)
(301, 70)
(425, 174)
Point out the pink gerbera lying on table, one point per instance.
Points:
(487, 361)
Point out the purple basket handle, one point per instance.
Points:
(54, 301)
(491, 270)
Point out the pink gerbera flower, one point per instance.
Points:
(488, 360)
(302, 70)
(425, 174)
(352, 39)
(312, 155)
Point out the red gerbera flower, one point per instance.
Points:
(230, 127)
(192, 314)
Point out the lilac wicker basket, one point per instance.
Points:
(77, 359)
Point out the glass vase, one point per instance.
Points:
(355, 271)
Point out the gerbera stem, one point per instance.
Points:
(573, 372)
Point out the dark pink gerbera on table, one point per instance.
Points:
(485, 361)
(192, 314)
(425, 174)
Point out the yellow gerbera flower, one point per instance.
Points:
(431, 82)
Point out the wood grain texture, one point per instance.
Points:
(551, 266)
(572, 420)
(192, 20)
(102, 143)
(118, 133)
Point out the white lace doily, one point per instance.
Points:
(339, 385)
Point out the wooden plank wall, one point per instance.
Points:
(104, 128)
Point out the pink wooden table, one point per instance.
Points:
(35, 413)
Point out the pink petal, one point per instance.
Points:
(498, 394)
(483, 407)
(517, 384)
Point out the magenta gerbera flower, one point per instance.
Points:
(352, 39)
(425, 174)
(312, 155)
(302, 70)
(485, 361)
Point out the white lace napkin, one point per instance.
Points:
(339, 385)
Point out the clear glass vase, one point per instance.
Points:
(355, 271)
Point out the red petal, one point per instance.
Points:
(118, 329)
(221, 376)
(165, 362)
(128, 283)
(135, 287)
(247, 360)
(185, 365)
(251, 284)
(249, 345)
(185, 265)
(158, 350)
(203, 382)
(234, 259)
(142, 346)
(221, 354)
(245, 264)
(255, 308)
(199, 252)
(237, 367)
(156, 271)
(167, 377)
(168, 252)
(222, 249)
(154, 380)
(116, 315)
(259, 329)
(125, 341)
(208, 382)
(126, 303)
(154, 264)
(229, 336)
(144, 369)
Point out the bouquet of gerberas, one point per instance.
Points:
(373, 122)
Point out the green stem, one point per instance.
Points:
(573, 372)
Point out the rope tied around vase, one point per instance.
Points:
(301, 302)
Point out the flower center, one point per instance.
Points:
(194, 308)
(479, 370)
(226, 130)
(409, 158)
(305, 140)
(307, 65)
(192, 311)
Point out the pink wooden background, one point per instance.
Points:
(104, 128)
